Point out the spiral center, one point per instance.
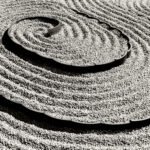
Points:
(102, 47)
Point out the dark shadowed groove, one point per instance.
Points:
(83, 14)
(31, 57)
(109, 27)
(55, 66)
(57, 25)
(40, 120)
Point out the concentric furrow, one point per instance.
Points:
(127, 23)
(73, 51)
(81, 98)
(141, 8)
(76, 98)
(22, 135)
(92, 33)
(138, 7)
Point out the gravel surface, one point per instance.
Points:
(74, 74)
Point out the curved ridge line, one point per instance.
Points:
(47, 63)
(62, 125)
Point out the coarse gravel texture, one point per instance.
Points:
(74, 74)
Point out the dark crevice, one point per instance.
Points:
(108, 26)
(84, 15)
(57, 25)
(40, 120)
(32, 57)
(53, 65)
(43, 121)
(52, 21)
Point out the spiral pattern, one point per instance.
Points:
(84, 63)
(25, 134)
(81, 43)
(122, 91)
